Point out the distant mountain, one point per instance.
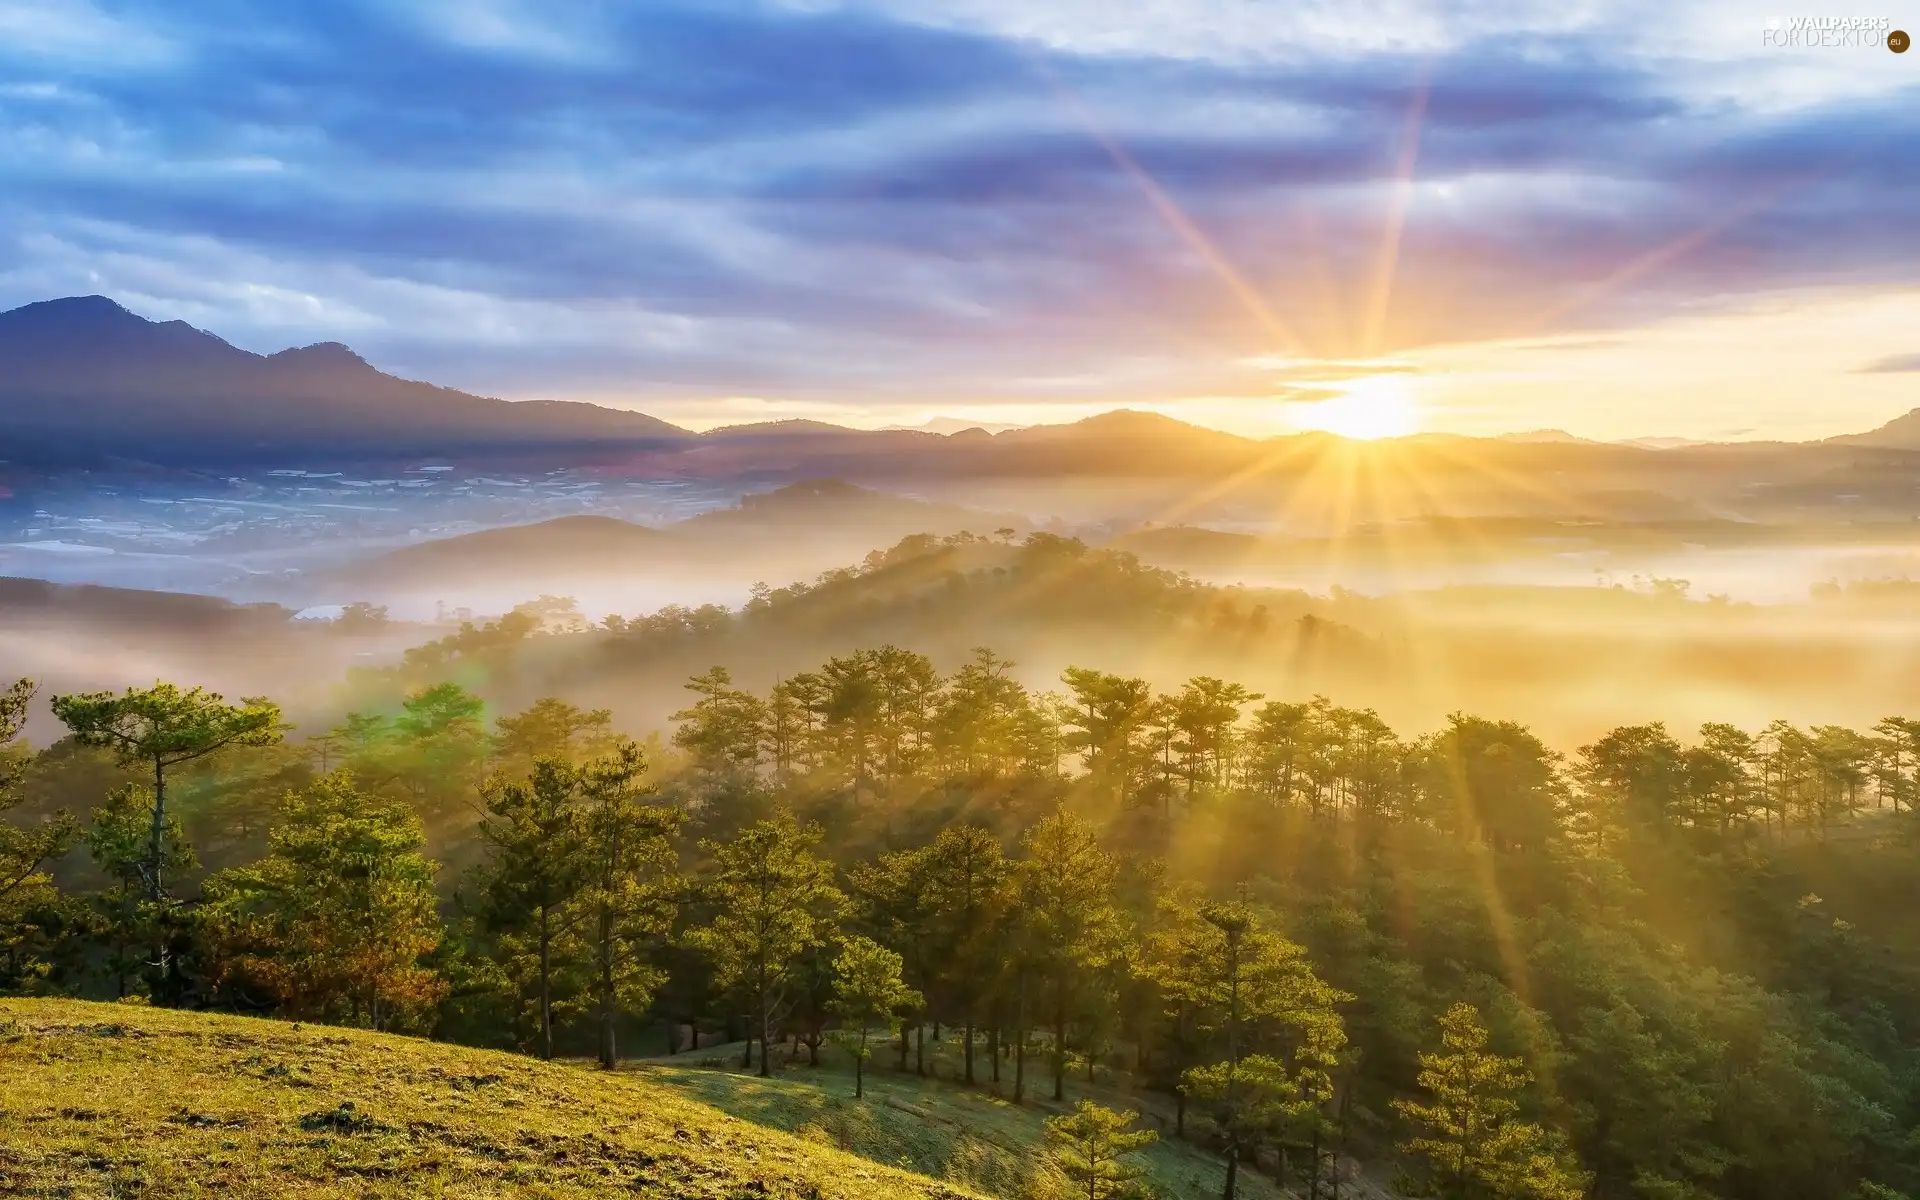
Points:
(800, 529)
(953, 425)
(833, 507)
(1551, 436)
(83, 376)
(796, 427)
(1664, 443)
(1901, 433)
(543, 548)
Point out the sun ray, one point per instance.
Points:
(1280, 334)
(1387, 258)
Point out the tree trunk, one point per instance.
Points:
(157, 835)
(1233, 1170)
(1059, 1049)
(546, 983)
(993, 1049)
(1313, 1178)
(860, 1067)
(966, 1049)
(766, 1026)
(1019, 1065)
(609, 1055)
(920, 1050)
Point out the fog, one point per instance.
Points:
(1760, 575)
(1570, 641)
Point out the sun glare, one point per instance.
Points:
(1377, 406)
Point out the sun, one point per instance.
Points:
(1373, 406)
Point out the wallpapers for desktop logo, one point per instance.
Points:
(1834, 33)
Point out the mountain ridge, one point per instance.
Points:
(84, 378)
(86, 374)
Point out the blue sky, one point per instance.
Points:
(1612, 218)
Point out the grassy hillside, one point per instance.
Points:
(969, 1137)
(101, 1100)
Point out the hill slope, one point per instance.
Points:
(565, 544)
(116, 1100)
(84, 375)
(802, 528)
(814, 506)
(1901, 433)
(968, 1136)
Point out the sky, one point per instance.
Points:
(1617, 219)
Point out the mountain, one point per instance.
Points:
(542, 549)
(953, 425)
(794, 427)
(1901, 433)
(83, 376)
(837, 508)
(794, 531)
(1559, 436)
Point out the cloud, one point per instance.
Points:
(1893, 365)
(883, 203)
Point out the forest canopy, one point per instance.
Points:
(1654, 962)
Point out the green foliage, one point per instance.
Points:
(1473, 1138)
(1092, 1146)
(336, 921)
(632, 886)
(161, 727)
(27, 896)
(128, 923)
(774, 899)
(1244, 910)
(1071, 927)
(1273, 1022)
(528, 887)
(868, 991)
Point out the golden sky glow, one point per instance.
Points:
(1788, 365)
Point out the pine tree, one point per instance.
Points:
(1279, 1030)
(26, 889)
(1475, 1144)
(127, 920)
(550, 728)
(531, 882)
(632, 885)
(162, 727)
(868, 991)
(966, 892)
(1090, 1146)
(335, 922)
(1074, 926)
(23, 852)
(893, 901)
(775, 899)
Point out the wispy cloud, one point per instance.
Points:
(1893, 364)
(885, 205)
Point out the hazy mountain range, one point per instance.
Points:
(84, 379)
(794, 531)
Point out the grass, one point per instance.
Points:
(969, 1137)
(114, 1100)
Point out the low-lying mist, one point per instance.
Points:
(1569, 660)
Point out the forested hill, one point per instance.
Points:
(1275, 929)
